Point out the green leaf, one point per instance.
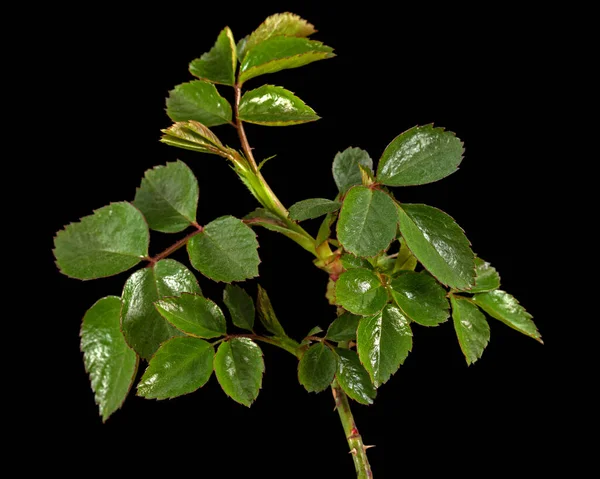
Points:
(350, 262)
(439, 244)
(317, 368)
(421, 155)
(143, 327)
(194, 315)
(368, 221)
(200, 101)
(421, 298)
(472, 330)
(218, 65)
(108, 360)
(194, 136)
(383, 343)
(226, 250)
(239, 368)
(360, 291)
(486, 277)
(274, 106)
(112, 240)
(405, 261)
(266, 219)
(353, 377)
(346, 171)
(240, 305)
(343, 328)
(180, 366)
(324, 232)
(168, 197)
(267, 315)
(504, 307)
(313, 208)
(280, 53)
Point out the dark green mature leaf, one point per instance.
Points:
(110, 241)
(346, 171)
(439, 244)
(486, 277)
(343, 328)
(368, 221)
(266, 219)
(274, 106)
(421, 298)
(200, 101)
(423, 154)
(143, 327)
(360, 291)
(239, 368)
(350, 262)
(317, 368)
(353, 377)
(180, 366)
(383, 343)
(313, 208)
(267, 315)
(240, 305)
(226, 250)
(504, 307)
(194, 315)
(472, 330)
(168, 197)
(218, 65)
(108, 360)
(280, 53)
(405, 261)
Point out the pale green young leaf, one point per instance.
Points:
(360, 291)
(421, 298)
(313, 208)
(353, 377)
(346, 171)
(317, 368)
(405, 261)
(194, 132)
(472, 329)
(200, 101)
(266, 219)
(240, 305)
(194, 315)
(218, 65)
(343, 328)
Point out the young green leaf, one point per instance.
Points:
(200, 101)
(360, 291)
(368, 221)
(280, 53)
(353, 377)
(143, 327)
(421, 155)
(504, 307)
(343, 328)
(108, 360)
(405, 261)
(486, 277)
(324, 232)
(266, 219)
(218, 65)
(383, 343)
(194, 132)
(346, 171)
(226, 250)
(110, 241)
(472, 330)
(240, 305)
(239, 368)
(267, 315)
(317, 368)
(439, 244)
(350, 262)
(194, 315)
(180, 366)
(421, 298)
(274, 106)
(168, 197)
(313, 208)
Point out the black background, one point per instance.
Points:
(477, 73)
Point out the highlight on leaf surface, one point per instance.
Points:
(360, 291)
(219, 64)
(353, 377)
(193, 315)
(486, 277)
(472, 329)
(420, 297)
(199, 101)
(194, 136)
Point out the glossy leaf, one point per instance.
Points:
(346, 171)
(486, 277)
(280, 53)
(383, 343)
(239, 368)
(313, 208)
(180, 366)
(143, 327)
(350, 262)
(353, 377)
(191, 135)
(421, 298)
(240, 305)
(317, 368)
(504, 307)
(110, 241)
(108, 360)
(266, 219)
(274, 106)
(168, 197)
(360, 291)
(472, 329)
(267, 315)
(218, 65)
(343, 328)
(200, 101)
(194, 315)
(226, 250)
(405, 261)
(421, 155)
(368, 221)
(439, 244)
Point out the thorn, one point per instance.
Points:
(368, 447)
(353, 451)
